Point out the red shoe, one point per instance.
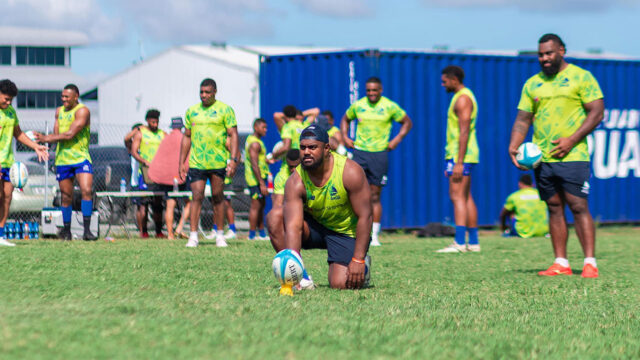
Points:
(144, 235)
(160, 236)
(589, 271)
(556, 269)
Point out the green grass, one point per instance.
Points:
(157, 299)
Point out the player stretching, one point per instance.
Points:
(207, 126)
(375, 114)
(567, 104)
(72, 131)
(462, 154)
(9, 129)
(328, 205)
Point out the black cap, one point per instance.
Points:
(315, 132)
(176, 122)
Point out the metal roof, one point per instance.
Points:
(13, 35)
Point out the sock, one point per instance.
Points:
(220, 233)
(66, 214)
(305, 275)
(67, 227)
(375, 229)
(562, 262)
(473, 235)
(590, 260)
(252, 234)
(461, 231)
(87, 207)
(2, 231)
(86, 221)
(193, 235)
(215, 227)
(262, 233)
(232, 227)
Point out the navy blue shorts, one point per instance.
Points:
(555, 177)
(68, 171)
(467, 168)
(204, 175)
(254, 191)
(339, 247)
(374, 164)
(5, 174)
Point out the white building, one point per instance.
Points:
(170, 82)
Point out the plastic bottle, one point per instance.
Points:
(10, 232)
(25, 231)
(36, 230)
(123, 185)
(18, 226)
(270, 182)
(7, 230)
(175, 184)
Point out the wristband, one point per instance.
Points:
(357, 261)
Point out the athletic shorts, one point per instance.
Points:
(339, 247)
(204, 175)
(68, 171)
(5, 174)
(227, 187)
(254, 191)
(572, 177)
(374, 164)
(467, 168)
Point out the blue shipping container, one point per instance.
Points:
(417, 192)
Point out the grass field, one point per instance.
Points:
(158, 299)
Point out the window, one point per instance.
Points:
(30, 55)
(39, 99)
(5, 55)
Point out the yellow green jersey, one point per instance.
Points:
(557, 104)
(330, 204)
(453, 131)
(530, 212)
(249, 176)
(208, 127)
(374, 122)
(8, 120)
(150, 142)
(280, 181)
(334, 130)
(75, 150)
(292, 130)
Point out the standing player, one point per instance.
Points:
(256, 172)
(144, 146)
(375, 114)
(208, 124)
(9, 129)
(462, 153)
(72, 131)
(567, 104)
(526, 212)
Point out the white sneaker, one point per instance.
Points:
(473, 248)
(4, 242)
(263, 238)
(211, 235)
(230, 235)
(375, 242)
(220, 242)
(453, 248)
(193, 241)
(306, 284)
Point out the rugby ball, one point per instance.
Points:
(529, 155)
(31, 135)
(287, 267)
(277, 147)
(18, 174)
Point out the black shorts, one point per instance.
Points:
(374, 164)
(339, 247)
(555, 177)
(204, 175)
(254, 191)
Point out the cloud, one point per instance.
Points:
(80, 15)
(198, 20)
(337, 8)
(547, 6)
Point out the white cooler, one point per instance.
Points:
(51, 223)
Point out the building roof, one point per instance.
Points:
(12, 35)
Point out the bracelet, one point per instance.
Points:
(357, 261)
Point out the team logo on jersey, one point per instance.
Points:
(585, 187)
(564, 82)
(310, 196)
(362, 110)
(334, 193)
(380, 111)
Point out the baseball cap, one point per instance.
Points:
(314, 132)
(176, 122)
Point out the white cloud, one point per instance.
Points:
(81, 15)
(198, 20)
(568, 6)
(337, 8)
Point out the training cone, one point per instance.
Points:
(286, 289)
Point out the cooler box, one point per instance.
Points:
(51, 223)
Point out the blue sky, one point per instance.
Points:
(116, 28)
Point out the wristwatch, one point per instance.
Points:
(235, 159)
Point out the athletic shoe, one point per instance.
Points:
(212, 235)
(453, 248)
(473, 248)
(367, 271)
(88, 236)
(220, 242)
(144, 235)
(4, 242)
(160, 236)
(589, 271)
(64, 235)
(263, 238)
(306, 284)
(230, 235)
(193, 241)
(556, 269)
(375, 242)
(252, 238)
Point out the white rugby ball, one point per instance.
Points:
(277, 147)
(18, 174)
(31, 135)
(529, 155)
(287, 267)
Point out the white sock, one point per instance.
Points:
(193, 235)
(375, 229)
(562, 262)
(220, 233)
(590, 260)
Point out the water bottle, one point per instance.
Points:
(36, 230)
(270, 182)
(25, 231)
(18, 230)
(175, 184)
(123, 185)
(9, 230)
(6, 230)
